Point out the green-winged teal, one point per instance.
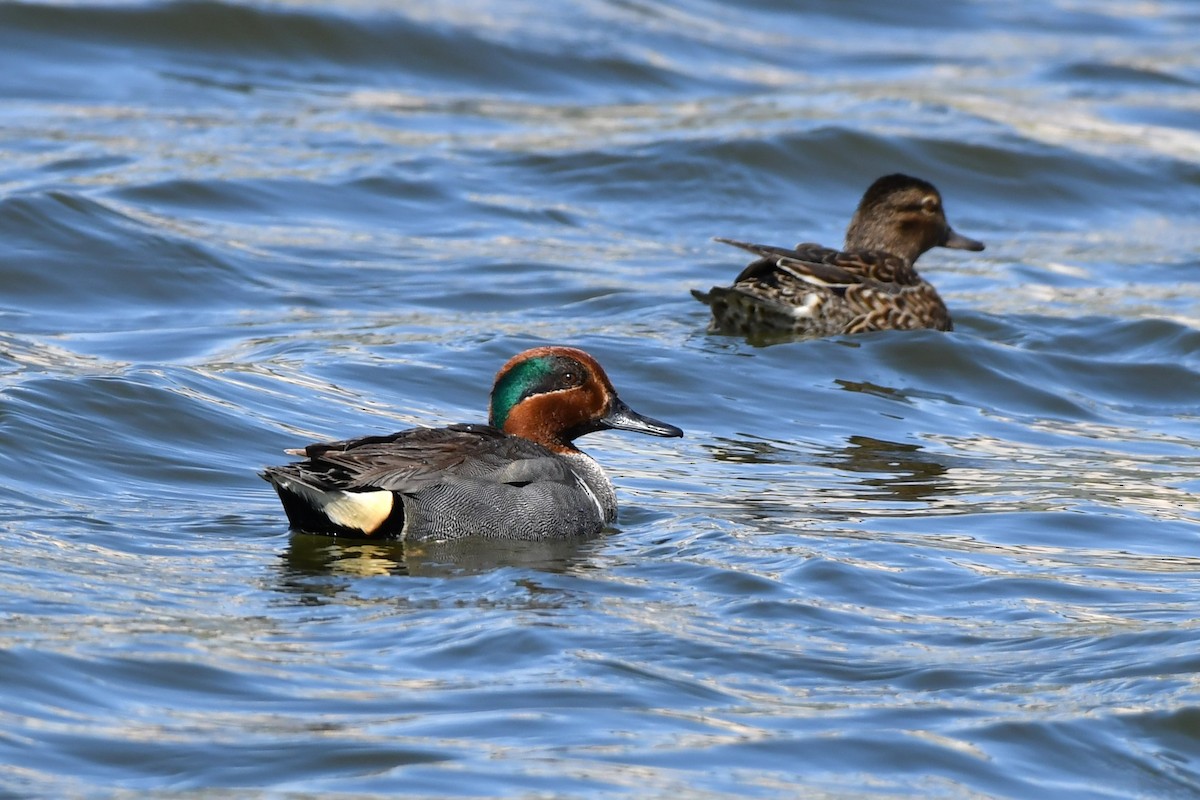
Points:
(519, 477)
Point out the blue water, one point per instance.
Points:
(893, 565)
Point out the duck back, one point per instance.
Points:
(444, 483)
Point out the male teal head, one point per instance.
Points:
(553, 395)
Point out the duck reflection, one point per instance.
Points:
(866, 387)
(752, 450)
(308, 555)
(897, 471)
(880, 470)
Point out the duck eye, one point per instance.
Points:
(568, 377)
(930, 205)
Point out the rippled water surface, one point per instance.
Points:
(900, 564)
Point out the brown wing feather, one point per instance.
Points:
(826, 265)
(413, 459)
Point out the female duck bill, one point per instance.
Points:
(956, 241)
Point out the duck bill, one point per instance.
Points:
(956, 241)
(623, 418)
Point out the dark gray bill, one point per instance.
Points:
(957, 241)
(624, 418)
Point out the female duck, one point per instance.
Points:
(871, 285)
(519, 477)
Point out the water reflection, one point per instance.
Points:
(896, 471)
(308, 555)
(775, 483)
(752, 450)
(866, 387)
(878, 469)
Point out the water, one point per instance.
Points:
(912, 564)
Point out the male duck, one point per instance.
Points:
(518, 477)
(871, 285)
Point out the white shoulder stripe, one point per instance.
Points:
(591, 494)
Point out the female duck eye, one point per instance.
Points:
(930, 205)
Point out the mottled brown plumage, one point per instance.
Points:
(871, 285)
